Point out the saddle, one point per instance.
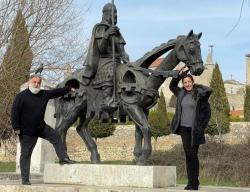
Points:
(95, 108)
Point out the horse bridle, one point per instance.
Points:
(187, 61)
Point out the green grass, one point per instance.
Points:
(204, 181)
(7, 166)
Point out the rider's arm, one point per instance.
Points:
(102, 39)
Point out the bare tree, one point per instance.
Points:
(55, 30)
(54, 36)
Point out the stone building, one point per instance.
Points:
(236, 94)
(236, 91)
(248, 69)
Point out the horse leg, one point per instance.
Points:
(139, 117)
(138, 143)
(63, 124)
(83, 131)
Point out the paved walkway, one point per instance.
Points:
(40, 187)
(219, 189)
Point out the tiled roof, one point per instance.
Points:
(156, 63)
(237, 113)
(232, 81)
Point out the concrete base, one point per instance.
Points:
(111, 175)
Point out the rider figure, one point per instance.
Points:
(99, 64)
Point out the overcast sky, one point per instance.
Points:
(147, 23)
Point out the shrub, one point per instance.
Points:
(101, 130)
(233, 118)
(158, 119)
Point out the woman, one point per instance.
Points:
(191, 118)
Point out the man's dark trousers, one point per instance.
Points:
(28, 143)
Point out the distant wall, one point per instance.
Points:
(120, 145)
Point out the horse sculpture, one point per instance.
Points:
(136, 90)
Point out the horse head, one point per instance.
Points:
(188, 51)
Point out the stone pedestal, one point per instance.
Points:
(111, 175)
(43, 152)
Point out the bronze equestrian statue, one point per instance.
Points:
(129, 89)
(106, 50)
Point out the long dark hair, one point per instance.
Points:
(195, 90)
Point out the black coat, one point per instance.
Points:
(202, 110)
(28, 110)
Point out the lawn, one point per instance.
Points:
(7, 166)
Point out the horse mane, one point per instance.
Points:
(156, 52)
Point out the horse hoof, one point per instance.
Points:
(95, 159)
(141, 161)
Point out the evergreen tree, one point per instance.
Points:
(173, 101)
(14, 69)
(158, 119)
(219, 122)
(101, 130)
(247, 104)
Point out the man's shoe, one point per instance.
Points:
(26, 182)
(66, 161)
